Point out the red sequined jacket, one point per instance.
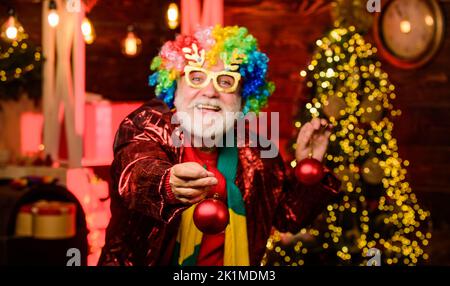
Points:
(145, 220)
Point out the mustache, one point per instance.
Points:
(211, 102)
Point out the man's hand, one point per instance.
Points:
(313, 137)
(190, 182)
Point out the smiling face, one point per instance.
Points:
(206, 105)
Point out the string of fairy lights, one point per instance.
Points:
(350, 89)
(15, 42)
(8, 75)
(131, 45)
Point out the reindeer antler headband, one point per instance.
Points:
(233, 45)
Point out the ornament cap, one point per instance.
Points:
(52, 5)
(131, 28)
(11, 12)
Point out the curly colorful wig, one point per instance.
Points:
(219, 43)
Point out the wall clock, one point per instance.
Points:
(408, 33)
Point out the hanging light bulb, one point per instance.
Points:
(88, 31)
(132, 44)
(53, 17)
(12, 30)
(173, 16)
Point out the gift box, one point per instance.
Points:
(46, 220)
(24, 221)
(53, 220)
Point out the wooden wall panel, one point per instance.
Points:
(423, 129)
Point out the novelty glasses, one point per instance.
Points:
(223, 81)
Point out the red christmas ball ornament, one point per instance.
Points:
(211, 216)
(309, 171)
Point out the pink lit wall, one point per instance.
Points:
(31, 125)
(102, 119)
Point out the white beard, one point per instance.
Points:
(207, 129)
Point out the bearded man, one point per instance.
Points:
(204, 83)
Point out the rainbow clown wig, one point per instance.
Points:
(218, 43)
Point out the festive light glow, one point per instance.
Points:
(12, 30)
(53, 17)
(12, 49)
(405, 26)
(131, 45)
(364, 155)
(173, 16)
(429, 20)
(88, 31)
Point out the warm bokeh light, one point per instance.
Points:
(132, 44)
(173, 16)
(11, 32)
(405, 26)
(11, 29)
(88, 31)
(349, 89)
(429, 20)
(53, 18)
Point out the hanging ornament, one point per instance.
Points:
(132, 44)
(334, 107)
(382, 223)
(309, 171)
(345, 175)
(353, 235)
(372, 171)
(372, 110)
(211, 215)
(287, 238)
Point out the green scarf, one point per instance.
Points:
(189, 238)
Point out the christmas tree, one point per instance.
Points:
(377, 211)
(20, 67)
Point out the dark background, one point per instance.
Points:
(288, 37)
